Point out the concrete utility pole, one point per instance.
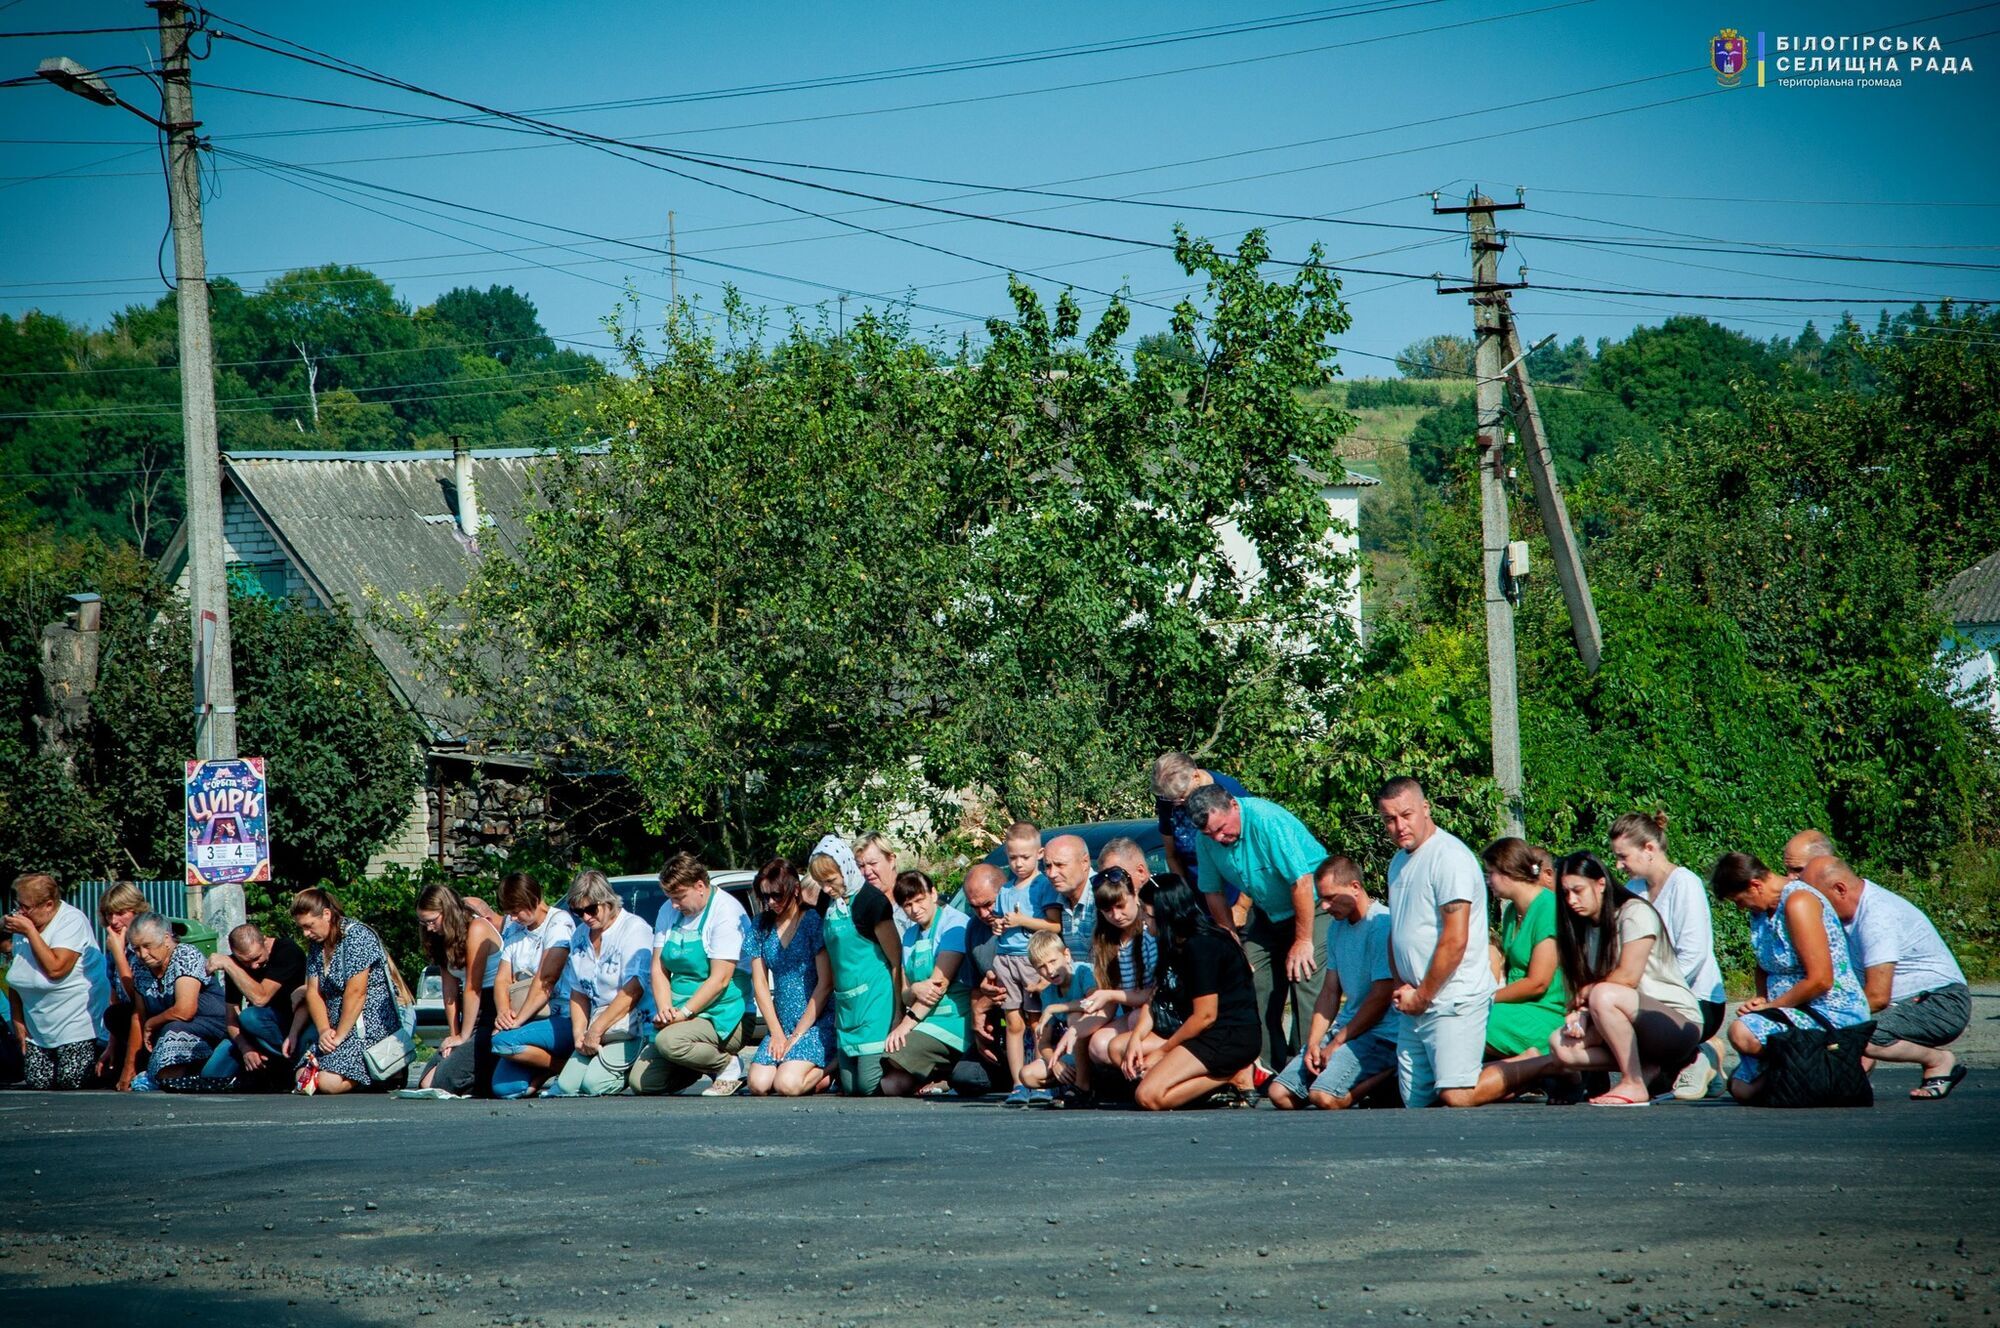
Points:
(1488, 303)
(673, 267)
(1548, 498)
(208, 586)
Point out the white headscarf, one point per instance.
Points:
(834, 847)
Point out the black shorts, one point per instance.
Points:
(1223, 1051)
(1711, 1017)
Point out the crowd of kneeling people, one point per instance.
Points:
(1257, 965)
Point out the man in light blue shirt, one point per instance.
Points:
(1266, 852)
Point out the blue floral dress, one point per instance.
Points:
(183, 1041)
(359, 950)
(793, 971)
(1843, 1004)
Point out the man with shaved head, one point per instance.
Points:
(1915, 987)
(983, 1059)
(1802, 848)
(1066, 860)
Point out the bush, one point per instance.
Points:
(1368, 393)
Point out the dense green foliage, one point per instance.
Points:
(328, 357)
(816, 578)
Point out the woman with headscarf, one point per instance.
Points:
(866, 955)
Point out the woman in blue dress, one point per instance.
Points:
(1802, 962)
(792, 978)
(350, 1003)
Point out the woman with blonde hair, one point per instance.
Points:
(610, 997)
(56, 985)
(1639, 845)
(865, 952)
(121, 904)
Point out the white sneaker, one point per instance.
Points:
(723, 1088)
(1691, 1084)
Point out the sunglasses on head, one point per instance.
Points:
(1117, 875)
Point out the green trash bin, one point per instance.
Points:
(198, 934)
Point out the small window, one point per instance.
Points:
(268, 580)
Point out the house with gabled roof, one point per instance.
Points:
(1971, 600)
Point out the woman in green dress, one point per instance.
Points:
(1532, 1001)
(866, 955)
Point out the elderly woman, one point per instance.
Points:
(698, 979)
(350, 998)
(532, 1035)
(57, 991)
(793, 982)
(179, 1014)
(936, 1025)
(466, 949)
(1802, 961)
(866, 955)
(610, 994)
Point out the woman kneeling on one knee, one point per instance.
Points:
(532, 1035)
(698, 981)
(936, 1025)
(1630, 1008)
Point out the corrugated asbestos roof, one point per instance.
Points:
(366, 525)
(1973, 596)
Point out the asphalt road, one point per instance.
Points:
(331, 1212)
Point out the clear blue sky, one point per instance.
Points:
(1888, 173)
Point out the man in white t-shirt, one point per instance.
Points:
(1915, 987)
(1437, 894)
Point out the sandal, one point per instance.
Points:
(1939, 1085)
(1619, 1100)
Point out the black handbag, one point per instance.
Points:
(1806, 1066)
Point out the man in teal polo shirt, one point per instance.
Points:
(1268, 854)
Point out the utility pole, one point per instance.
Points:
(208, 586)
(1548, 498)
(1488, 304)
(673, 268)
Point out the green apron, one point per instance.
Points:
(950, 1022)
(863, 987)
(686, 965)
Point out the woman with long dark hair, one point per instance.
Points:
(1126, 957)
(792, 980)
(1630, 1008)
(465, 948)
(1219, 1037)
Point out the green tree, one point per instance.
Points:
(1440, 356)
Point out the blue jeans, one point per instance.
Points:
(555, 1036)
(259, 1024)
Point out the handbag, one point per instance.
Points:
(390, 1056)
(1806, 1066)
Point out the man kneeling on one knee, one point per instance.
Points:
(1352, 1043)
(1914, 986)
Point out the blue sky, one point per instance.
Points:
(1879, 173)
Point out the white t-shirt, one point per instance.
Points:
(72, 1010)
(1889, 929)
(523, 948)
(722, 936)
(1660, 981)
(1683, 907)
(624, 952)
(1441, 871)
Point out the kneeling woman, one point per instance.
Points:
(1802, 962)
(350, 999)
(698, 982)
(1219, 1037)
(1630, 1008)
(793, 981)
(865, 953)
(610, 960)
(465, 948)
(937, 1021)
(179, 1016)
(532, 1035)
(1126, 958)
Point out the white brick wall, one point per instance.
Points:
(247, 541)
(411, 846)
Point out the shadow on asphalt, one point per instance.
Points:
(162, 1302)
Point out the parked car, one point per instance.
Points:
(1098, 833)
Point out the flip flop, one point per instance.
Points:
(1939, 1086)
(1619, 1100)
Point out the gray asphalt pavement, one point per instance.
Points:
(330, 1212)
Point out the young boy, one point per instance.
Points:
(1027, 904)
(1064, 1025)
